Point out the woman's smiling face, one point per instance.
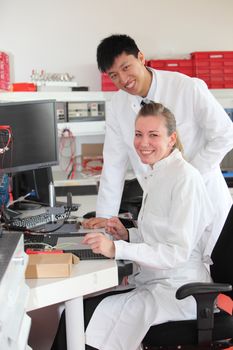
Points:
(151, 139)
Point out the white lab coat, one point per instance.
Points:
(205, 130)
(176, 212)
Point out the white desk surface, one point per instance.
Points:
(86, 277)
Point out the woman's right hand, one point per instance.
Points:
(115, 227)
(94, 223)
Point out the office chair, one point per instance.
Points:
(131, 199)
(210, 330)
(131, 202)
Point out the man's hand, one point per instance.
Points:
(115, 227)
(100, 244)
(94, 223)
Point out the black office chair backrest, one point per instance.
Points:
(222, 255)
(131, 199)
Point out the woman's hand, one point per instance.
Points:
(94, 223)
(100, 244)
(115, 227)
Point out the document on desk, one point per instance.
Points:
(74, 239)
(73, 244)
(91, 230)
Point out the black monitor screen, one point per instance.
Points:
(28, 136)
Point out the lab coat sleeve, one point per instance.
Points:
(190, 215)
(217, 126)
(134, 235)
(114, 168)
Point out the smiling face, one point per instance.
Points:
(129, 73)
(151, 139)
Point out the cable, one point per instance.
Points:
(93, 164)
(20, 199)
(5, 138)
(68, 141)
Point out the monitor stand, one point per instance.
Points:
(24, 205)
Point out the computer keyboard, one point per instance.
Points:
(28, 223)
(86, 254)
(42, 242)
(31, 222)
(33, 241)
(39, 241)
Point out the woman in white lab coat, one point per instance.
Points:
(176, 213)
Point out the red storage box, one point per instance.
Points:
(23, 87)
(212, 55)
(214, 67)
(4, 71)
(217, 82)
(106, 83)
(4, 85)
(184, 66)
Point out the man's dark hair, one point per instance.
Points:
(113, 46)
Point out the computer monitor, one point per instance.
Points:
(28, 136)
(35, 181)
(28, 145)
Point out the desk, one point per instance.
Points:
(87, 277)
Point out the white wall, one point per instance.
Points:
(62, 35)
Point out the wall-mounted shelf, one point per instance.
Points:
(84, 128)
(62, 96)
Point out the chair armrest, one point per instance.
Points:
(201, 288)
(125, 268)
(205, 295)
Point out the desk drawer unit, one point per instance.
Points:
(14, 322)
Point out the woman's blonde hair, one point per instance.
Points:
(156, 110)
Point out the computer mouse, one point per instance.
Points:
(90, 214)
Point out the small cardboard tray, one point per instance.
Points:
(50, 265)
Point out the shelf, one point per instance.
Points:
(91, 128)
(57, 83)
(60, 96)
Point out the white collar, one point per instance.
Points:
(136, 100)
(162, 163)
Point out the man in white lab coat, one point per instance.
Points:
(205, 129)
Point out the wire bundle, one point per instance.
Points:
(67, 149)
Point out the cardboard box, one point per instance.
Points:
(92, 149)
(50, 265)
